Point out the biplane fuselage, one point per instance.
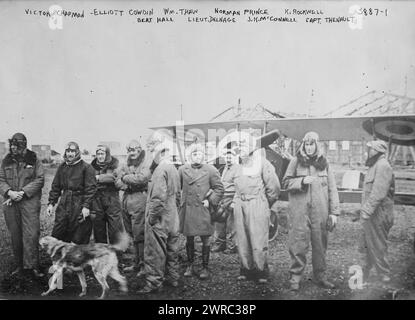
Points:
(395, 129)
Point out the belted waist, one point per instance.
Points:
(247, 197)
(132, 190)
(73, 192)
(106, 190)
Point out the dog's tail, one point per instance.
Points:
(123, 241)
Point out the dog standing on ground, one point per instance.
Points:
(101, 257)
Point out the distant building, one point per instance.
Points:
(43, 151)
(56, 157)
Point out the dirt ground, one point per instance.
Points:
(341, 255)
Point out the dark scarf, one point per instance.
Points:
(76, 160)
(318, 162)
(196, 165)
(113, 164)
(108, 158)
(18, 157)
(77, 155)
(102, 165)
(372, 160)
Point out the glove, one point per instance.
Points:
(206, 203)
(84, 214)
(49, 210)
(331, 222)
(232, 205)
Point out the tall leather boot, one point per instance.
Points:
(130, 264)
(263, 274)
(205, 261)
(190, 251)
(140, 259)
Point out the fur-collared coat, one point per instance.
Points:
(320, 197)
(106, 175)
(24, 176)
(133, 178)
(377, 205)
(195, 218)
(78, 178)
(22, 217)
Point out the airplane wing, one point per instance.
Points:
(355, 196)
(401, 128)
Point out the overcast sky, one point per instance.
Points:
(110, 78)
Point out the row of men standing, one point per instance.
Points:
(79, 189)
(250, 193)
(82, 191)
(93, 190)
(154, 192)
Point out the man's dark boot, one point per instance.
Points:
(140, 259)
(140, 253)
(190, 251)
(262, 276)
(130, 264)
(205, 261)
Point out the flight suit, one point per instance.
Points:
(162, 227)
(377, 203)
(309, 208)
(22, 218)
(256, 189)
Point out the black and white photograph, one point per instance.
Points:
(207, 150)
